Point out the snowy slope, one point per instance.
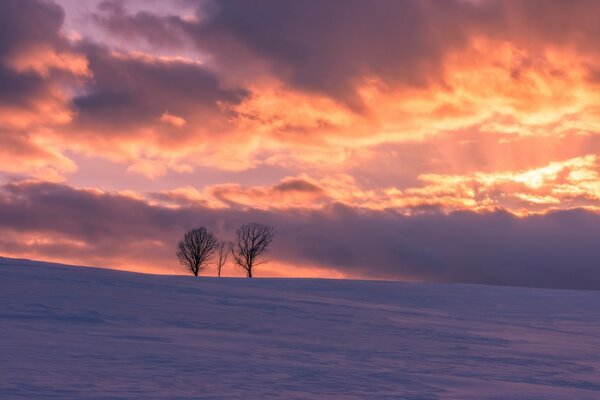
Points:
(83, 333)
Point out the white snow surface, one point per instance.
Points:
(86, 333)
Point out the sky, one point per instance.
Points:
(443, 141)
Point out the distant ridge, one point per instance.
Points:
(9, 261)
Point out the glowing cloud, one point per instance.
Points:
(273, 109)
(174, 120)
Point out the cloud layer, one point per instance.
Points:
(407, 118)
(558, 249)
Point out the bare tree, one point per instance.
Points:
(252, 241)
(222, 255)
(196, 249)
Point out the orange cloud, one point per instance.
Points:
(564, 184)
(558, 185)
(43, 59)
(507, 90)
(291, 192)
(491, 103)
(493, 86)
(173, 120)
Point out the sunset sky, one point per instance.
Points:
(453, 141)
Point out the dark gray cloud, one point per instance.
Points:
(329, 46)
(26, 25)
(318, 46)
(159, 30)
(20, 89)
(297, 185)
(558, 249)
(129, 91)
(553, 250)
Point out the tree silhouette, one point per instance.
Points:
(252, 241)
(222, 255)
(196, 249)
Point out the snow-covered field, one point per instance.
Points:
(82, 333)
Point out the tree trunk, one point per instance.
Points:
(249, 272)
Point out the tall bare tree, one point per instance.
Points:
(252, 241)
(222, 255)
(196, 249)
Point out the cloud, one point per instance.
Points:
(367, 133)
(291, 192)
(158, 30)
(563, 184)
(173, 120)
(399, 42)
(130, 232)
(36, 63)
(30, 23)
(557, 249)
(162, 113)
(557, 185)
(331, 47)
(344, 43)
(19, 153)
(79, 96)
(390, 72)
(552, 250)
(133, 89)
(297, 185)
(262, 89)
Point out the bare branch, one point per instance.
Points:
(196, 249)
(222, 255)
(252, 242)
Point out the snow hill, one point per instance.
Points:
(85, 333)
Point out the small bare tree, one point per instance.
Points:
(196, 249)
(222, 255)
(252, 241)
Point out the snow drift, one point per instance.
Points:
(85, 333)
